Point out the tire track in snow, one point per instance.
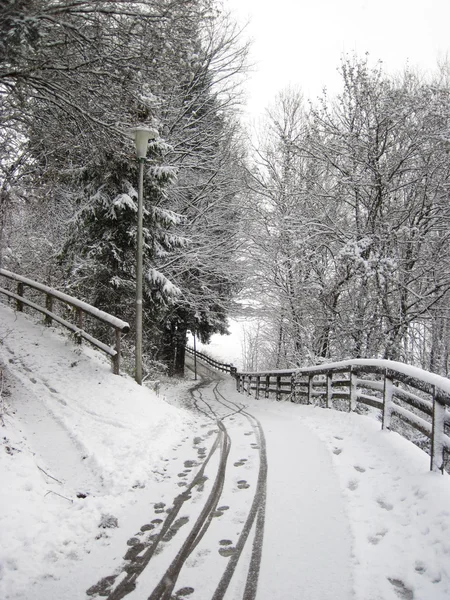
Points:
(257, 512)
(218, 410)
(128, 583)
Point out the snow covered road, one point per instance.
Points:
(233, 547)
(307, 544)
(94, 469)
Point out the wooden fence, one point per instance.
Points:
(419, 398)
(80, 309)
(224, 367)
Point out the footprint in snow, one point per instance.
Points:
(134, 551)
(133, 541)
(376, 539)
(184, 591)
(359, 469)
(420, 567)
(220, 510)
(159, 507)
(174, 529)
(337, 451)
(242, 484)
(102, 586)
(384, 504)
(200, 483)
(401, 590)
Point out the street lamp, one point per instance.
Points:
(141, 136)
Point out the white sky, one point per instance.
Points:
(300, 43)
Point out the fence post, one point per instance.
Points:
(353, 389)
(49, 307)
(116, 358)
(437, 433)
(266, 391)
(258, 381)
(310, 388)
(329, 390)
(238, 383)
(388, 388)
(293, 388)
(80, 324)
(249, 385)
(19, 305)
(278, 392)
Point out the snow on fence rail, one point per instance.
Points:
(225, 367)
(81, 308)
(417, 397)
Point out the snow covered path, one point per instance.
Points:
(235, 548)
(94, 468)
(307, 543)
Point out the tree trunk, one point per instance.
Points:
(180, 351)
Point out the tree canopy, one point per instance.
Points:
(73, 77)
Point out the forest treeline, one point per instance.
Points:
(335, 223)
(349, 208)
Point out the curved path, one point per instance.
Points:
(246, 534)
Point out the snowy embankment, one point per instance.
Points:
(86, 456)
(79, 447)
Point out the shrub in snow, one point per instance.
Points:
(108, 522)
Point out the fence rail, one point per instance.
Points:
(419, 398)
(81, 308)
(215, 364)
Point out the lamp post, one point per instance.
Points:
(195, 357)
(141, 136)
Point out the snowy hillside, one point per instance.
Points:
(79, 445)
(88, 460)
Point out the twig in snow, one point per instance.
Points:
(51, 477)
(2, 399)
(60, 495)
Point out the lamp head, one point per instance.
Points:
(141, 136)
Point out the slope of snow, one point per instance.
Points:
(86, 456)
(70, 429)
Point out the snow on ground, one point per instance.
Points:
(71, 429)
(348, 504)
(398, 511)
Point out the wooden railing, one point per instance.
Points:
(419, 398)
(224, 367)
(80, 308)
